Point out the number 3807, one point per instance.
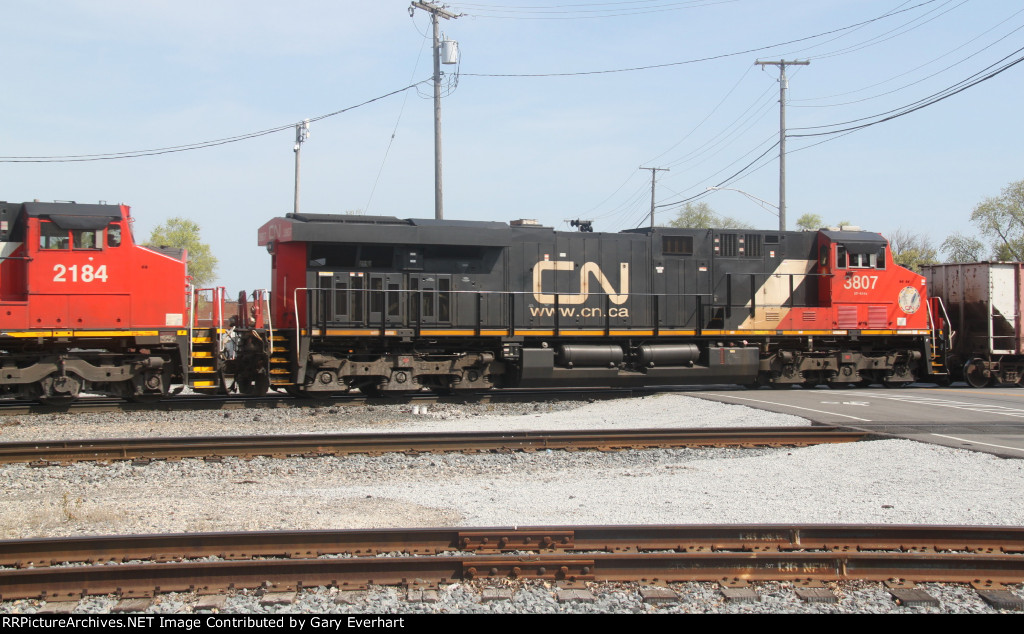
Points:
(861, 282)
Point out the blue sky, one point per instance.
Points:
(105, 76)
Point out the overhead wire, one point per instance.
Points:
(745, 170)
(708, 58)
(401, 111)
(749, 117)
(875, 40)
(108, 156)
(565, 12)
(956, 88)
(913, 83)
(949, 91)
(705, 119)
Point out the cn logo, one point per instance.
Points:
(588, 270)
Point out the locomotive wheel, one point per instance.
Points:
(59, 390)
(974, 373)
(373, 391)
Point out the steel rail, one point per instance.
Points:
(51, 551)
(113, 449)
(994, 557)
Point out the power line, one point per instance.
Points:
(724, 182)
(930, 100)
(721, 140)
(566, 12)
(702, 59)
(401, 111)
(913, 83)
(708, 116)
(109, 156)
(873, 41)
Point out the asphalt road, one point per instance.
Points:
(989, 420)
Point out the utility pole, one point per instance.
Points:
(301, 134)
(782, 133)
(654, 170)
(435, 12)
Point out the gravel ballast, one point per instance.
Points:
(876, 482)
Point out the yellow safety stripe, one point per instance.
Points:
(615, 332)
(82, 333)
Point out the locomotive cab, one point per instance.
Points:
(864, 287)
(82, 307)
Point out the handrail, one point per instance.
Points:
(191, 318)
(263, 295)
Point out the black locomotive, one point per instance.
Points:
(385, 304)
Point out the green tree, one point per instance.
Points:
(810, 222)
(183, 233)
(702, 216)
(1001, 221)
(912, 250)
(960, 248)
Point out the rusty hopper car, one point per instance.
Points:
(984, 303)
(385, 304)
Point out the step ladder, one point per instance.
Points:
(204, 363)
(281, 358)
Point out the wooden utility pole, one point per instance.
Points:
(782, 134)
(654, 170)
(435, 12)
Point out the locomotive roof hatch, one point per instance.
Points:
(337, 228)
(74, 215)
(65, 215)
(856, 241)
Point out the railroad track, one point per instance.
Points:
(311, 445)
(985, 557)
(232, 402)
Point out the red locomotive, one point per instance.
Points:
(83, 307)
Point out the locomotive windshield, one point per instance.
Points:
(860, 256)
(52, 237)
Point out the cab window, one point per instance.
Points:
(86, 238)
(840, 256)
(52, 237)
(113, 235)
(868, 260)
